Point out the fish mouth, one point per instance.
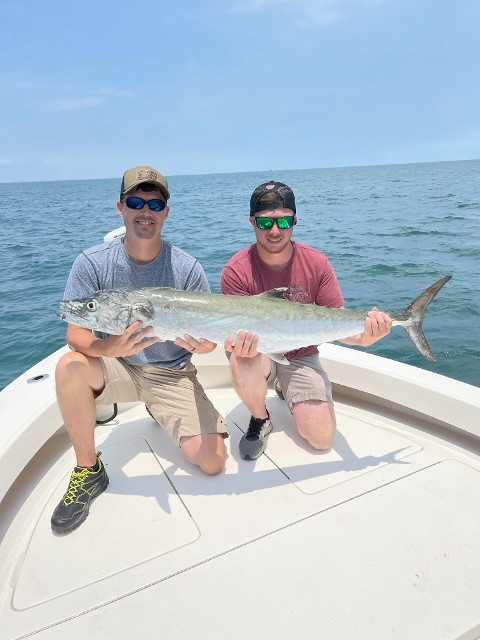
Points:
(67, 309)
(65, 315)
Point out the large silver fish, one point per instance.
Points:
(281, 325)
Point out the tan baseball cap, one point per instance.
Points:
(134, 177)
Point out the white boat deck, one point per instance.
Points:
(377, 538)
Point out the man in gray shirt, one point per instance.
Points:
(102, 369)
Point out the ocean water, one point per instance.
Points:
(389, 231)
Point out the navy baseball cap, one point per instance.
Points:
(284, 191)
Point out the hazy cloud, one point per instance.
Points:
(74, 104)
(463, 142)
(465, 145)
(310, 12)
(73, 97)
(112, 92)
(96, 99)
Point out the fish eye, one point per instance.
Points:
(91, 305)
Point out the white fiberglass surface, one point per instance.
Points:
(362, 444)
(145, 527)
(162, 522)
(400, 561)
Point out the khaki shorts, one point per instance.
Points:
(174, 397)
(302, 379)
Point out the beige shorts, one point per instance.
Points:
(302, 379)
(174, 397)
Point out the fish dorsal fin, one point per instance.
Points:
(293, 293)
(273, 293)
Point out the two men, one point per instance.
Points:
(102, 369)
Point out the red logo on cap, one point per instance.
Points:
(270, 186)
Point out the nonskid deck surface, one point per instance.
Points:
(382, 526)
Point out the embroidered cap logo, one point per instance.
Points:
(145, 174)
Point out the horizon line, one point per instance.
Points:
(217, 173)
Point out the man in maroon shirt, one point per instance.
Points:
(277, 261)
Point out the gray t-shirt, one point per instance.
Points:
(108, 266)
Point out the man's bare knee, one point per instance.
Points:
(321, 440)
(69, 360)
(316, 423)
(77, 367)
(206, 451)
(212, 465)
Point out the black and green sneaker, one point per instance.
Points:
(86, 483)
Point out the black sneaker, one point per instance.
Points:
(252, 444)
(85, 485)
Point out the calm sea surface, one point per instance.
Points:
(389, 231)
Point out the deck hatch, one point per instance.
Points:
(137, 519)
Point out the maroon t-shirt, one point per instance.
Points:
(309, 275)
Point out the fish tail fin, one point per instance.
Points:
(414, 314)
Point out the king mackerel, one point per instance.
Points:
(281, 325)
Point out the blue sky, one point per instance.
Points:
(91, 88)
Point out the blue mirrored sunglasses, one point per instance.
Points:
(138, 203)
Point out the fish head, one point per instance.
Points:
(107, 311)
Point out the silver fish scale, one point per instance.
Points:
(280, 325)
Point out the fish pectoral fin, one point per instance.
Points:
(278, 357)
(273, 293)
